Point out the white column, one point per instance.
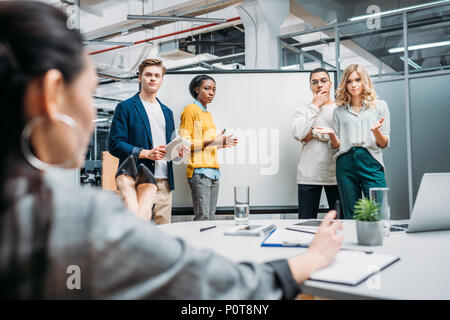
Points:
(262, 20)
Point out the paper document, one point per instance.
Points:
(353, 267)
(287, 238)
(172, 149)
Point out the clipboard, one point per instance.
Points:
(287, 238)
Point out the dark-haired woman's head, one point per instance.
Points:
(44, 73)
(46, 78)
(203, 88)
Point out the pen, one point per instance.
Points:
(207, 228)
(295, 244)
(304, 231)
(359, 250)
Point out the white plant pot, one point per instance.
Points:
(369, 233)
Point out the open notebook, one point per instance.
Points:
(354, 267)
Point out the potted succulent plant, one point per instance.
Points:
(369, 228)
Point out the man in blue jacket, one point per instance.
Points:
(142, 126)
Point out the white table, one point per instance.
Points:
(421, 273)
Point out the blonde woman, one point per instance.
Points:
(360, 132)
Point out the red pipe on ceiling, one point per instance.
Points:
(164, 36)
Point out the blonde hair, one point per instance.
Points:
(151, 62)
(368, 93)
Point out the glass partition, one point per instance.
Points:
(365, 42)
(309, 51)
(428, 40)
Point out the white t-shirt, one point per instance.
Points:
(158, 128)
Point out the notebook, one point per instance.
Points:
(353, 267)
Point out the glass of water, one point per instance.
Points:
(241, 204)
(380, 196)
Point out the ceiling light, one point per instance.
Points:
(420, 46)
(174, 18)
(378, 14)
(412, 63)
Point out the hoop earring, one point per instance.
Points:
(25, 142)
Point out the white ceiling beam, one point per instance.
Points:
(115, 20)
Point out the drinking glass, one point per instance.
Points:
(241, 204)
(380, 196)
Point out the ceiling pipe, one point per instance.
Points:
(109, 43)
(165, 36)
(174, 18)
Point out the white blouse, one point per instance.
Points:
(353, 129)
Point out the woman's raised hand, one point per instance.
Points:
(223, 141)
(377, 125)
(228, 141)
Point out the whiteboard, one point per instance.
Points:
(258, 107)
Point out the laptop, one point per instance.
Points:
(432, 207)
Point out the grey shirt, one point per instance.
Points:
(353, 129)
(120, 256)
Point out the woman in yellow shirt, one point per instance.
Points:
(197, 125)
